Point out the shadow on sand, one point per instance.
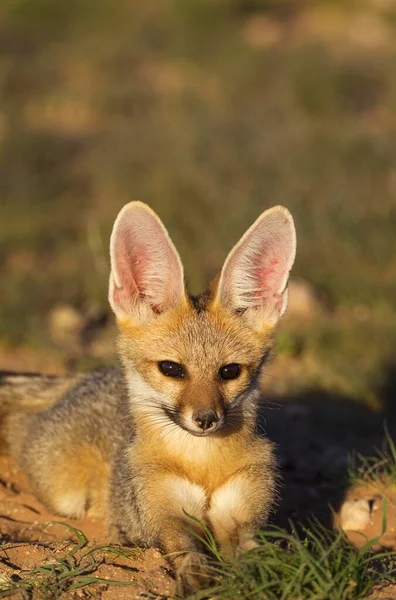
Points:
(317, 434)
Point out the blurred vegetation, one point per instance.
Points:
(210, 111)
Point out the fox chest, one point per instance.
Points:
(200, 461)
(210, 475)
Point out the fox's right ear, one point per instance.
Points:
(253, 281)
(146, 271)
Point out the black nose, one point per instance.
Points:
(206, 418)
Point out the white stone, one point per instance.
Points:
(355, 515)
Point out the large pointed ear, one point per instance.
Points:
(146, 271)
(253, 281)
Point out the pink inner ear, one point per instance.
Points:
(256, 271)
(125, 289)
(136, 272)
(259, 271)
(146, 269)
(132, 262)
(267, 277)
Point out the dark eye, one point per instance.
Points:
(231, 371)
(171, 369)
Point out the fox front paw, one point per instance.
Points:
(246, 542)
(192, 573)
(241, 541)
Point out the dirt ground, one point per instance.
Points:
(315, 433)
(29, 539)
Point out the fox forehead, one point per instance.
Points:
(193, 334)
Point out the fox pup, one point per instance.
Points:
(173, 432)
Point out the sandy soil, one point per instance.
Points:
(29, 539)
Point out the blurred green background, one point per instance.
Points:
(210, 111)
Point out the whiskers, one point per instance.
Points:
(152, 417)
(161, 421)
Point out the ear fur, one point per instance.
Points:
(146, 271)
(253, 281)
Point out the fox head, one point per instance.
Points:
(190, 362)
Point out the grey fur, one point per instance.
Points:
(31, 391)
(85, 411)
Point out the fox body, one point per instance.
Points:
(174, 432)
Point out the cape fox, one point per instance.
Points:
(173, 433)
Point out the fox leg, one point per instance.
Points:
(239, 506)
(76, 483)
(169, 503)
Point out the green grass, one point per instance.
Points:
(61, 574)
(316, 564)
(313, 565)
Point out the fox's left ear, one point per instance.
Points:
(253, 281)
(146, 277)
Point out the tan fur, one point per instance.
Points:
(127, 444)
(84, 473)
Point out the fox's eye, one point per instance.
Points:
(231, 371)
(171, 369)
